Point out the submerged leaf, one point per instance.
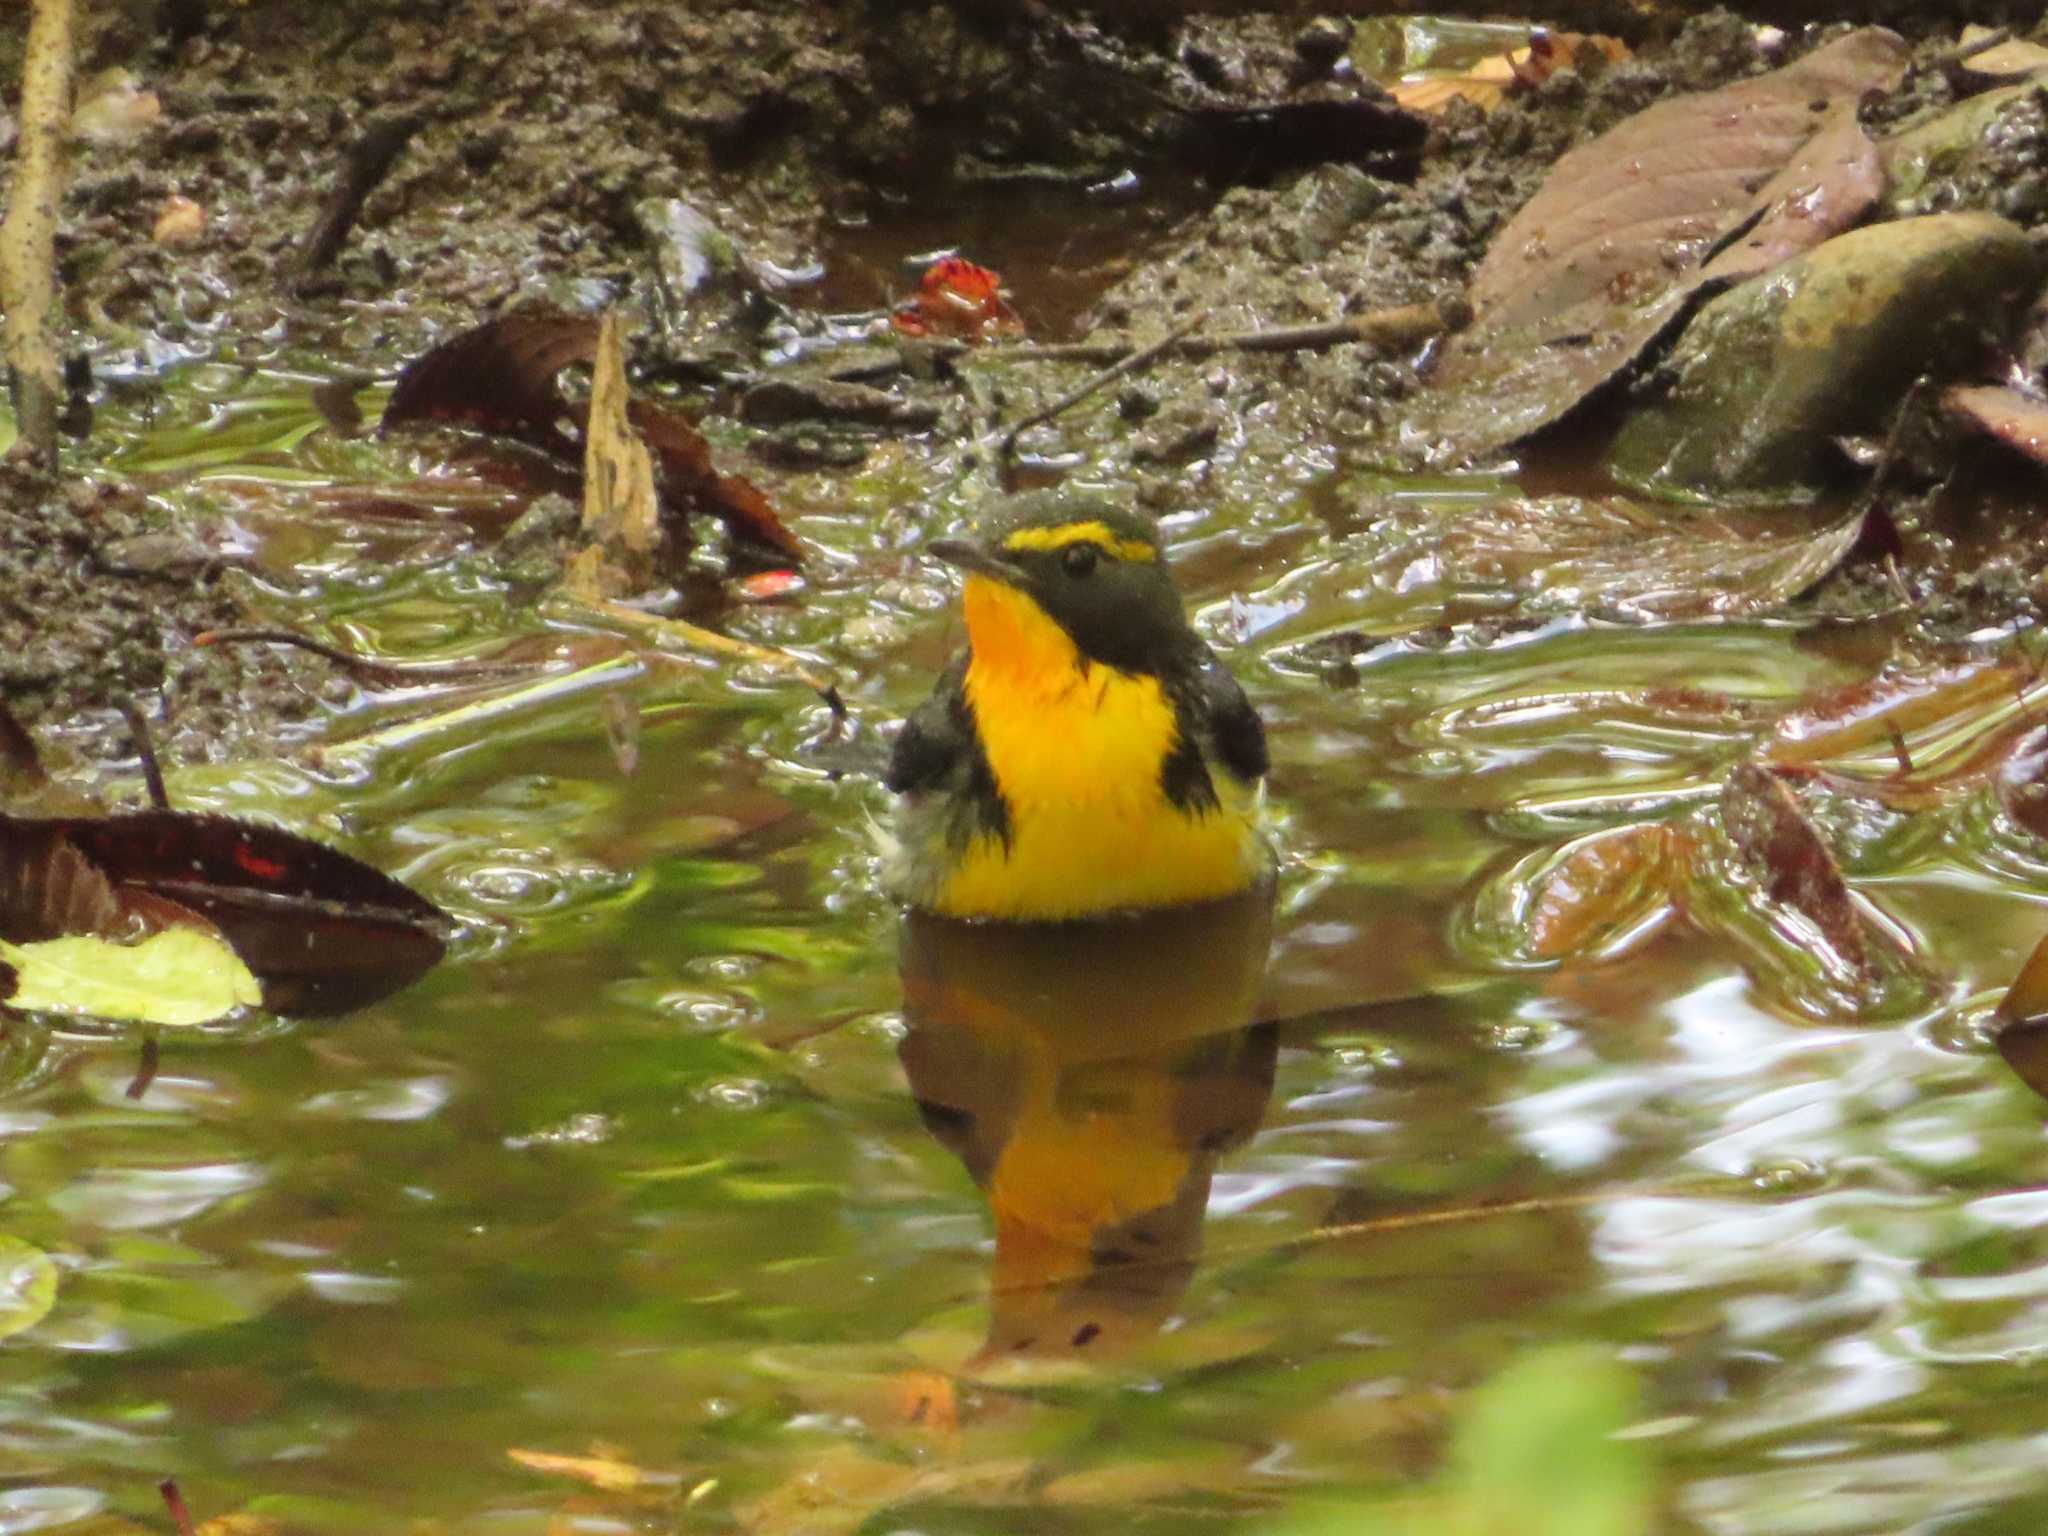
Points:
(178, 977)
(956, 298)
(28, 1285)
(2015, 418)
(1593, 895)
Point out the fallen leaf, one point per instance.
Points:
(1629, 230)
(603, 1472)
(28, 1285)
(1598, 891)
(2023, 783)
(500, 378)
(1779, 894)
(1486, 84)
(178, 977)
(2013, 59)
(960, 300)
(322, 932)
(2015, 418)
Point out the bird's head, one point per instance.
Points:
(1068, 575)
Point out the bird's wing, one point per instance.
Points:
(934, 741)
(1235, 730)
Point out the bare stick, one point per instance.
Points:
(695, 637)
(1130, 364)
(368, 162)
(175, 1502)
(28, 278)
(1403, 325)
(396, 673)
(152, 772)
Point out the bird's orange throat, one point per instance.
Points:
(1076, 748)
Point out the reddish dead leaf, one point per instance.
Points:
(1840, 721)
(501, 378)
(1795, 869)
(960, 300)
(321, 931)
(1626, 231)
(1604, 886)
(2014, 418)
(766, 586)
(926, 1399)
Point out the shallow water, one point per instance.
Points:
(639, 1174)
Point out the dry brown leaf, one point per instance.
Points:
(2017, 419)
(2010, 60)
(927, 1399)
(1487, 84)
(1606, 885)
(606, 1473)
(1626, 231)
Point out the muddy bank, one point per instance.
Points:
(1224, 163)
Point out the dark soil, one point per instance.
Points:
(544, 127)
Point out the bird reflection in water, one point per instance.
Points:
(1090, 1075)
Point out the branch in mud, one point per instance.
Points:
(368, 162)
(28, 279)
(1404, 325)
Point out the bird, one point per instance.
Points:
(1086, 753)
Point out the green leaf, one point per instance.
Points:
(1536, 1454)
(28, 1285)
(180, 976)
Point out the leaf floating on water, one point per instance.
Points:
(1594, 896)
(607, 1473)
(1627, 230)
(28, 1285)
(321, 932)
(500, 378)
(1783, 899)
(179, 977)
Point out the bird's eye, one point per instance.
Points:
(1079, 559)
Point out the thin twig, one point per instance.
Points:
(175, 1502)
(695, 637)
(608, 673)
(368, 162)
(28, 277)
(152, 772)
(1962, 53)
(1402, 325)
(145, 1069)
(396, 673)
(1117, 370)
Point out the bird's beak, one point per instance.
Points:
(975, 559)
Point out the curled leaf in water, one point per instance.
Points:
(28, 1285)
(1776, 891)
(1595, 896)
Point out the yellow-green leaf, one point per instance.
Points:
(180, 976)
(28, 1285)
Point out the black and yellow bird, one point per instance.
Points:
(1087, 753)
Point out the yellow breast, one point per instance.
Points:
(1076, 750)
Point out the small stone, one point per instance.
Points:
(179, 222)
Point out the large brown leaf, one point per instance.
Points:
(321, 931)
(500, 378)
(1628, 230)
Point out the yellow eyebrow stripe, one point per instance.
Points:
(1096, 533)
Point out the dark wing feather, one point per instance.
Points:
(934, 741)
(1236, 732)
